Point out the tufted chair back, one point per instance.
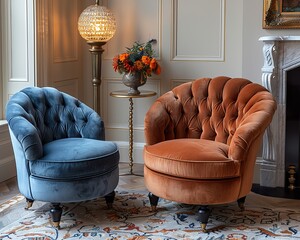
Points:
(209, 108)
(42, 115)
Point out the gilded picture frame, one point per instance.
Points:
(278, 14)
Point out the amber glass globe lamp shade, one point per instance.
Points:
(96, 24)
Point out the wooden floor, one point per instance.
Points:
(9, 188)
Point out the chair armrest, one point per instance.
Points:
(156, 122)
(251, 128)
(94, 127)
(28, 137)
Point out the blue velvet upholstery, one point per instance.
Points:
(60, 149)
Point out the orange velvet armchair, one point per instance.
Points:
(202, 139)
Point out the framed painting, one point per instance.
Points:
(281, 14)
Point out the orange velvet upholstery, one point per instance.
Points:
(202, 139)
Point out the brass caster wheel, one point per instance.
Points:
(56, 225)
(29, 204)
(203, 227)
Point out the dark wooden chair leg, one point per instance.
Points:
(204, 213)
(241, 203)
(110, 198)
(29, 203)
(153, 201)
(56, 212)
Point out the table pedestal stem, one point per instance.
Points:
(125, 94)
(130, 135)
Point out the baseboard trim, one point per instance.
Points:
(137, 153)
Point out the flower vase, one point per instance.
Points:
(133, 80)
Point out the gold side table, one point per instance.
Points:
(124, 94)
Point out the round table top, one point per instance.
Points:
(124, 94)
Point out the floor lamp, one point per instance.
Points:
(96, 24)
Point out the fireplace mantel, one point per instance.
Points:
(280, 38)
(281, 54)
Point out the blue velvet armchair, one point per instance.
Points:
(60, 149)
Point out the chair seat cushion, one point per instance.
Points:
(192, 159)
(76, 158)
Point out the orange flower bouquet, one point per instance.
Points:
(138, 58)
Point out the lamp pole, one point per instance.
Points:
(96, 51)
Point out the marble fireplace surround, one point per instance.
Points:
(281, 54)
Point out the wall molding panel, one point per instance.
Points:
(204, 44)
(18, 50)
(18, 45)
(177, 82)
(65, 49)
(67, 85)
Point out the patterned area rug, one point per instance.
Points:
(131, 218)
